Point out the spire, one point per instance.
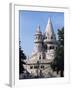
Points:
(49, 27)
(38, 35)
(38, 29)
(49, 32)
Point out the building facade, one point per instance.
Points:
(38, 65)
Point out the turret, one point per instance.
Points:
(50, 40)
(38, 39)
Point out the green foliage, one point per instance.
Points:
(22, 57)
(58, 63)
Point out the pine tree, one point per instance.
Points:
(22, 57)
(58, 63)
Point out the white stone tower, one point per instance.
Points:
(38, 42)
(50, 41)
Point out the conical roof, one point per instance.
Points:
(49, 27)
(49, 32)
(38, 30)
(38, 35)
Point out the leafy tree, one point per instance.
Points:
(22, 56)
(58, 63)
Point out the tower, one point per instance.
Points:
(38, 39)
(50, 40)
(38, 42)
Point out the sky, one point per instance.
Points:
(29, 20)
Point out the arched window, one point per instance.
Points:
(40, 57)
(31, 67)
(46, 37)
(51, 37)
(43, 56)
(51, 47)
(36, 67)
(42, 66)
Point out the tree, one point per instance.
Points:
(58, 63)
(22, 57)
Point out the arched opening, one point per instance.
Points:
(46, 37)
(42, 66)
(40, 57)
(43, 56)
(51, 37)
(31, 67)
(51, 47)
